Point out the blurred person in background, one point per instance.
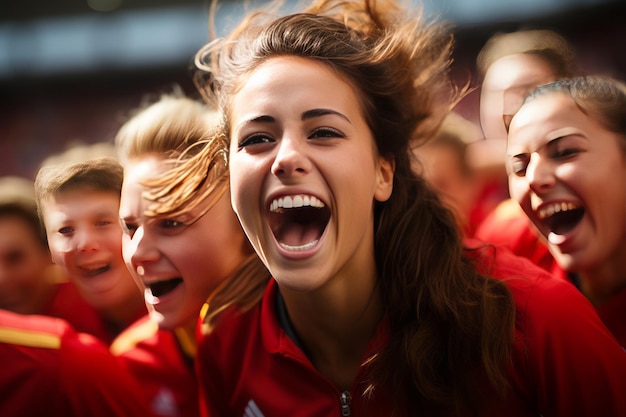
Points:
(444, 163)
(30, 283)
(510, 65)
(78, 202)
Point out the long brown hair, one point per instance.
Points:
(449, 323)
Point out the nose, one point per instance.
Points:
(540, 174)
(140, 249)
(291, 158)
(86, 241)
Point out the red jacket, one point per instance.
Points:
(47, 369)
(508, 226)
(162, 362)
(565, 362)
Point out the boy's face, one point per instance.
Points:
(85, 239)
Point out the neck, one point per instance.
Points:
(335, 327)
(125, 313)
(601, 283)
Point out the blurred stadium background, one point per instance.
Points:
(71, 70)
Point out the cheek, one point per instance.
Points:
(244, 187)
(58, 257)
(518, 188)
(113, 240)
(60, 247)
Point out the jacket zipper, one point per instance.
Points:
(345, 399)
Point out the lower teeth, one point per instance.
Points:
(299, 248)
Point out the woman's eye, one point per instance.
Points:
(66, 230)
(170, 224)
(254, 139)
(326, 132)
(564, 153)
(103, 223)
(519, 165)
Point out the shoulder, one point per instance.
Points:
(237, 332)
(70, 373)
(140, 332)
(33, 341)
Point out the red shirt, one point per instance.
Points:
(565, 362)
(508, 226)
(47, 369)
(162, 362)
(613, 314)
(69, 305)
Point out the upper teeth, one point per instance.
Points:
(94, 267)
(296, 201)
(555, 208)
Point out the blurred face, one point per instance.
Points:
(569, 176)
(25, 267)
(179, 261)
(507, 82)
(443, 169)
(85, 239)
(305, 173)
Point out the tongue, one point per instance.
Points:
(297, 235)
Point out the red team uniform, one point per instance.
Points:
(48, 369)
(249, 366)
(508, 226)
(69, 305)
(613, 315)
(162, 362)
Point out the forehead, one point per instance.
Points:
(306, 80)
(80, 203)
(142, 168)
(547, 111)
(518, 70)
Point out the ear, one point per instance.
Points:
(386, 169)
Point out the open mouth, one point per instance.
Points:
(92, 271)
(298, 221)
(560, 218)
(161, 288)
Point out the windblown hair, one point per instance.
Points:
(101, 174)
(547, 44)
(176, 128)
(600, 97)
(449, 324)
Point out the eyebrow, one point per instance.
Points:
(549, 144)
(309, 114)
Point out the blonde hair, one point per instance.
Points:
(179, 128)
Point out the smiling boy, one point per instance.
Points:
(78, 202)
